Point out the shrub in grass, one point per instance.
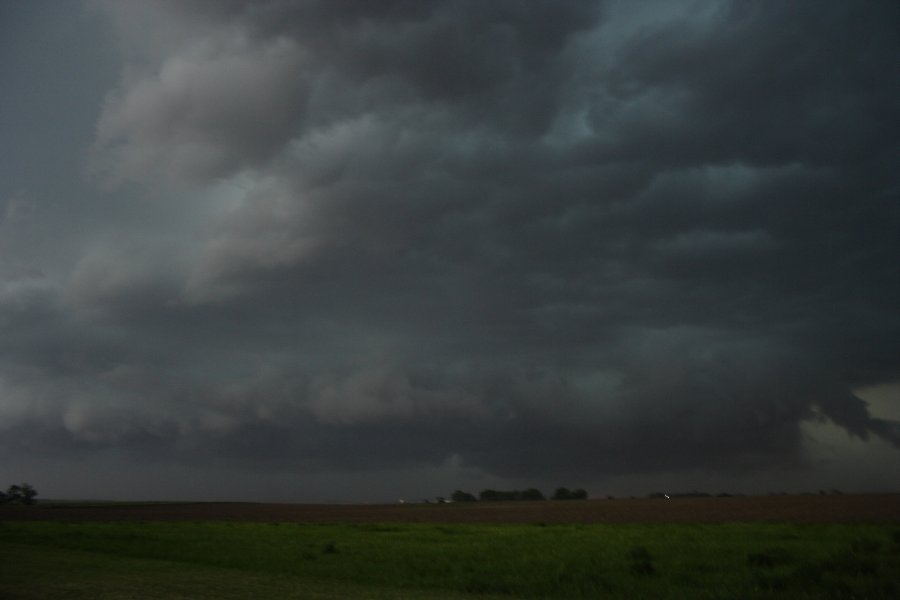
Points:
(330, 548)
(866, 546)
(769, 558)
(851, 563)
(640, 561)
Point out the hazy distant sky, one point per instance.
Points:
(359, 250)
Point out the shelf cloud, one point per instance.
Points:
(543, 239)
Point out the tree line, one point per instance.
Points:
(19, 494)
(515, 495)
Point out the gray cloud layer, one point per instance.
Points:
(542, 237)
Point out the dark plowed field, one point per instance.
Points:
(801, 509)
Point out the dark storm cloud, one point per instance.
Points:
(534, 237)
(266, 72)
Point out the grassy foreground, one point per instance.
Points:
(432, 561)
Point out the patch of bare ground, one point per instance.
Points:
(847, 508)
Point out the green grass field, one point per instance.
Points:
(431, 561)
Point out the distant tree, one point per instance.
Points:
(511, 495)
(532, 494)
(13, 494)
(461, 496)
(28, 493)
(567, 494)
(18, 494)
(562, 493)
(488, 495)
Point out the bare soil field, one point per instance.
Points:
(800, 509)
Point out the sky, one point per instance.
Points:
(352, 251)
